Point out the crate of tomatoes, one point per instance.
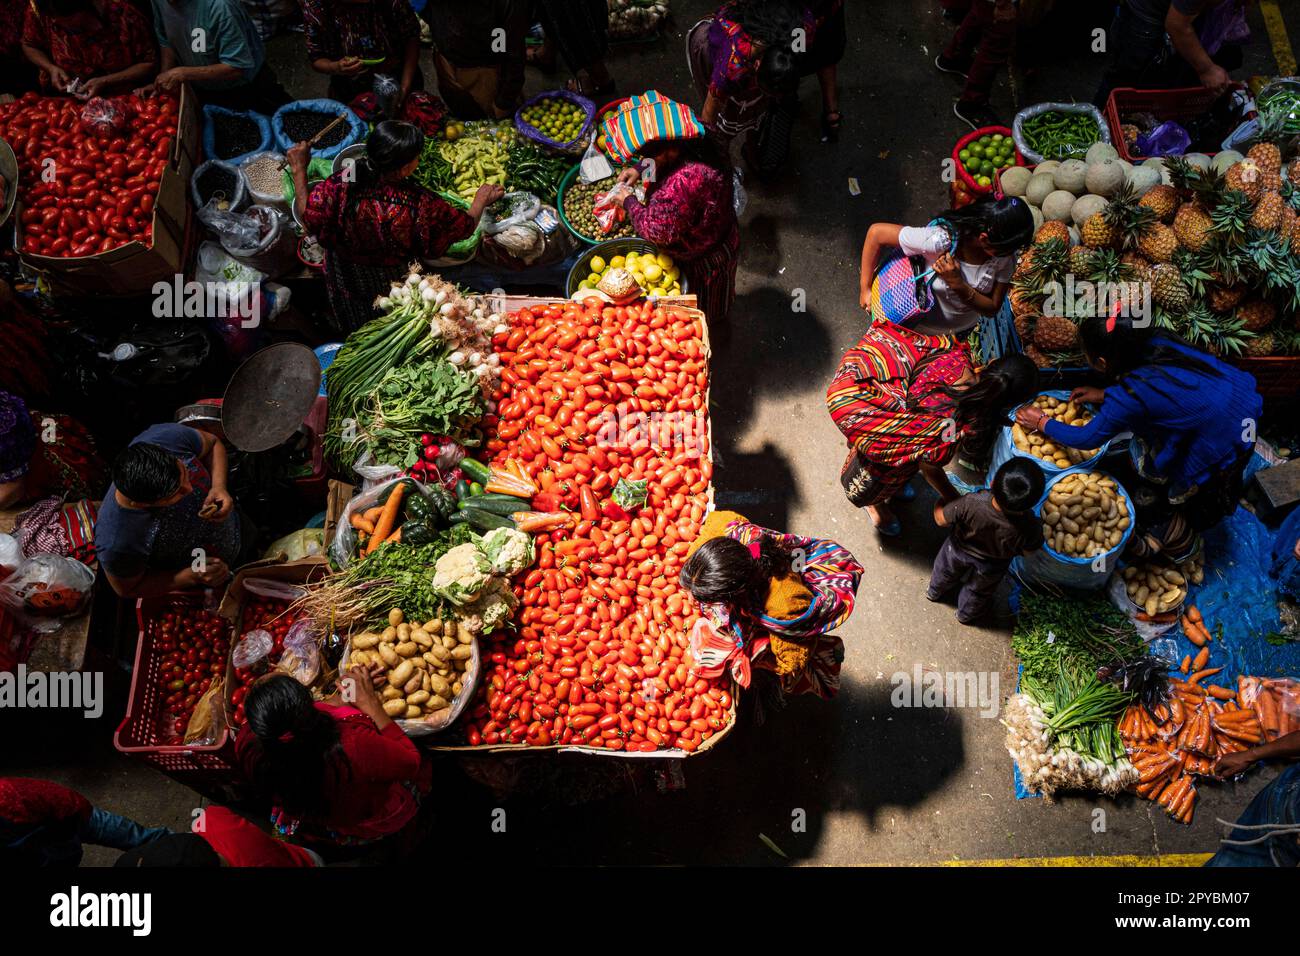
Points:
(174, 718)
(102, 202)
(604, 409)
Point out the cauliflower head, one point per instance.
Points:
(461, 574)
(508, 550)
(491, 610)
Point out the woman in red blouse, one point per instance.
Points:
(372, 223)
(337, 772)
(106, 44)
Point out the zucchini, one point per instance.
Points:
(482, 520)
(476, 470)
(483, 503)
(462, 490)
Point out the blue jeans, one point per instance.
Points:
(119, 832)
(1277, 804)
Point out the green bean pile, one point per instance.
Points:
(1058, 134)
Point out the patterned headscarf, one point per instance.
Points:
(17, 438)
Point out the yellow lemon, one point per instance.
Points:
(672, 272)
(652, 271)
(617, 262)
(631, 258)
(593, 278)
(665, 261)
(597, 264)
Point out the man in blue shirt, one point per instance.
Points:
(167, 522)
(214, 46)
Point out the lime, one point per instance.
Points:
(597, 264)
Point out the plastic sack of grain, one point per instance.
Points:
(220, 123)
(218, 176)
(265, 179)
(353, 129)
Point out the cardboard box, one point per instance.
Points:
(132, 269)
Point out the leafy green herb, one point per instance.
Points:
(1087, 632)
(432, 396)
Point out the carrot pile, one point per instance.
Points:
(1184, 738)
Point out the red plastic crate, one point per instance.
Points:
(964, 178)
(203, 767)
(1177, 105)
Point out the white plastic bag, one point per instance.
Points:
(273, 589)
(46, 587)
(344, 545)
(442, 719)
(300, 658)
(11, 555)
(513, 209)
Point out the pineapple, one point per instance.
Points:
(1295, 242)
(1293, 171)
(1231, 216)
(1036, 356)
(1024, 297)
(1169, 290)
(1139, 266)
(1255, 315)
(1025, 326)
(1162, 201)
(1260, 344)
(1218, 335)
(1081, 259)
(1268, 158)
(1052, 230)
(1053, 333)
(1158, 242)
(1192, 227)
(1246, 178)
(1221, 297)
(1099, 233)
(1268, 211)
(1287, 225)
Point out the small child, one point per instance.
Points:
(989, 528)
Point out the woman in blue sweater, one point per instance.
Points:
(1193, 419)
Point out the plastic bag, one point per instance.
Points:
(238, 191)
(442, 719)
(385, 88)
(273, 589)
(213, 116)
(1004, 448)
(524, 242)
(513, 209)
(1167, 139)
(253, 647)
(303, 543)
(606, 209)
(1046, 566)
(1147, 630)
(11, 555)
(101, 117)
(373, 475)
(300, 658)
(47, 586)
(209, 716)
(1017, 127)
(343, 547)
(355, 129)
(595, 165)
(230, 227)
(263, 177)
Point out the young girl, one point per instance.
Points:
(969, 281)
(769, 600)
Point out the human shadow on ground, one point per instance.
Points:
(857, 754)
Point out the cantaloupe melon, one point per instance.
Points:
(1071, 176)
(1099, 151)
(1198, 159)
(1158, 164)
(1143, 178)
(1040, 186)
(1048, 166)
(1104, 178)
(1057, 206)
(1038, 217)
(1015, 180)
(1086, 206)
(1225, 159)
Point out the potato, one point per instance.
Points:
(456, 688)
(403, 633)
(462, 652)
(390, 634)
(395, 707)
(390, 693)
(419, 697)
(364, 642)
(395, 616)
(389, 655)
(449, 640)
(406, 649)
(438, 685)
(422, 638)
(413, 711)
(1151, 604)
(400, 674)
(429, 658)
(463, 634)
(412, 685)
(437, 703)
(439, 653)
(432, 626)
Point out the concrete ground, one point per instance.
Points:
(856, 781)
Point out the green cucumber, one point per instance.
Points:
(483, 503)
(462, 490)
(476, 470)
(483, 520)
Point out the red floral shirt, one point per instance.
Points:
(84, 45)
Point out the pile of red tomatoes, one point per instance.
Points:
(601, 657)
(86, 188)
(193, 644)
(259, 614)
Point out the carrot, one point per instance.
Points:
(1194, 614)
(1222, 693)
(359, 522)
(1186, 664)
(372, 514)
(388, 519)
(1201, 659)
(1208, 672)
(1193, 635)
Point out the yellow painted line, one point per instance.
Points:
(1277, 36)
(1130, 859)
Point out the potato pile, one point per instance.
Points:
(1084, 515)
(426, 663)
(1038, 445)
(1155, 589)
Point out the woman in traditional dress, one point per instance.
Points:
(107, 45)
(770, 601)
(343, 33)
(375, 224)
(43, 455)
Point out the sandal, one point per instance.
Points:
(831, 126)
